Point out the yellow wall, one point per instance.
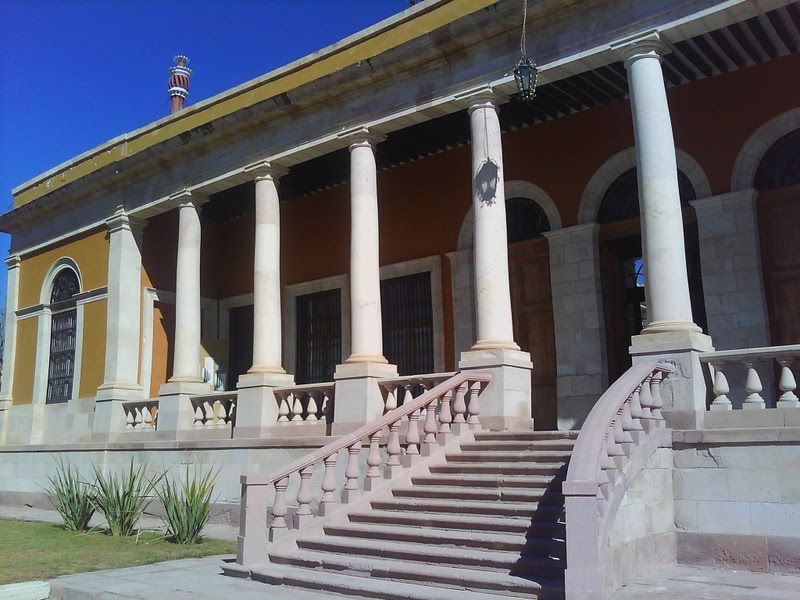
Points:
(93, 355)
(25, 360)
(89, 251)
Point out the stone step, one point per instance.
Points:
(536, 456)
(440, 537)
(487, 560)
(500, 468)
(457, 480)
(521, 445)
(356, 586)
(451, 522)
(501, 584)
(486, 494)
(525, 435)
(509, 509)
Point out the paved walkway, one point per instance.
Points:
(699, 583)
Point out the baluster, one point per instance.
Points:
(430, 428)
(622, 436)
(328, 500)
(297, 408)
(391, 400)
(220, 414)
(408, 395)
(635, 411)
(137, 422)
(303, 515)
(231, 412)
(351, 491)
(655, 396)
(198, 417)
(327, 406)
(279, 510)
(373, 461)
(787, 385)
(129, 418)
(721, 390)
(155, 416)
(646, 402)
(312, 409)
(393, 465)
(208, 414)
(445, 418)
(283, 409)
(614, 452)
(632, 435)
(148, 418)
(412, 440)
(753, 388)
(460, 409)
(474, 408)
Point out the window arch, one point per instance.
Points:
(780, 166)
(525, 220)
(64, 287)
(621, 200)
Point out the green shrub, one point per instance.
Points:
(123, 499)
(71, 496)
(187, 503)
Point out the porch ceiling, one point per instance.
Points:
(746, 43)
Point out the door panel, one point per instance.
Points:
(532, 307)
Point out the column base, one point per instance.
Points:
(506, 402)
(129, 392)
(684, 391)
(175, 413)
(256, 404)
(358, 398)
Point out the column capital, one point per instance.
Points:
(13, 261)
(122, 220)
(484, 96)
(361, 136)
(265, 169)
(186, 197)
(648, 44)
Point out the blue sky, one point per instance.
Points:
(75, 73)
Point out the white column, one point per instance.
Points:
(671, 332)
(492, 289)
(667, 284)
(506, 402)
(358, 397)
(267, 273)
(186, 363)
(121, 380)
(365, 283)
(10, 343)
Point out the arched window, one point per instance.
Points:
(780, 166)
(525, 220)
(621, 200)
(63, 329)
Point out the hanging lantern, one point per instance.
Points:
(526, 74)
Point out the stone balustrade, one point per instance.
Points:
(141, 416)
(308, 403)
(451, 408)
(215, 411)
(623, 429)
(780, 358)
(399, 390)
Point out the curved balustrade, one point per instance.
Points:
(451, 407)
(307, 403)
(623, 429)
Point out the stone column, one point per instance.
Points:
(257, 407)
(671, 331)
(507, 401)
(358, 398)
(123, 315)
(175, 411)
(10, 344)
(582, 365)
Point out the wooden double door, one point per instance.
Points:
(532, 307)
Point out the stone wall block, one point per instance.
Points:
(723, 517)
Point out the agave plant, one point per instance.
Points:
(71, 496)
(187, 504)
(123, 498)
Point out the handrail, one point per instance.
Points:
(589, 445)
(368, 430)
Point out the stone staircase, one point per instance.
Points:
(484, 523)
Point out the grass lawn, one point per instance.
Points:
(31, 550)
